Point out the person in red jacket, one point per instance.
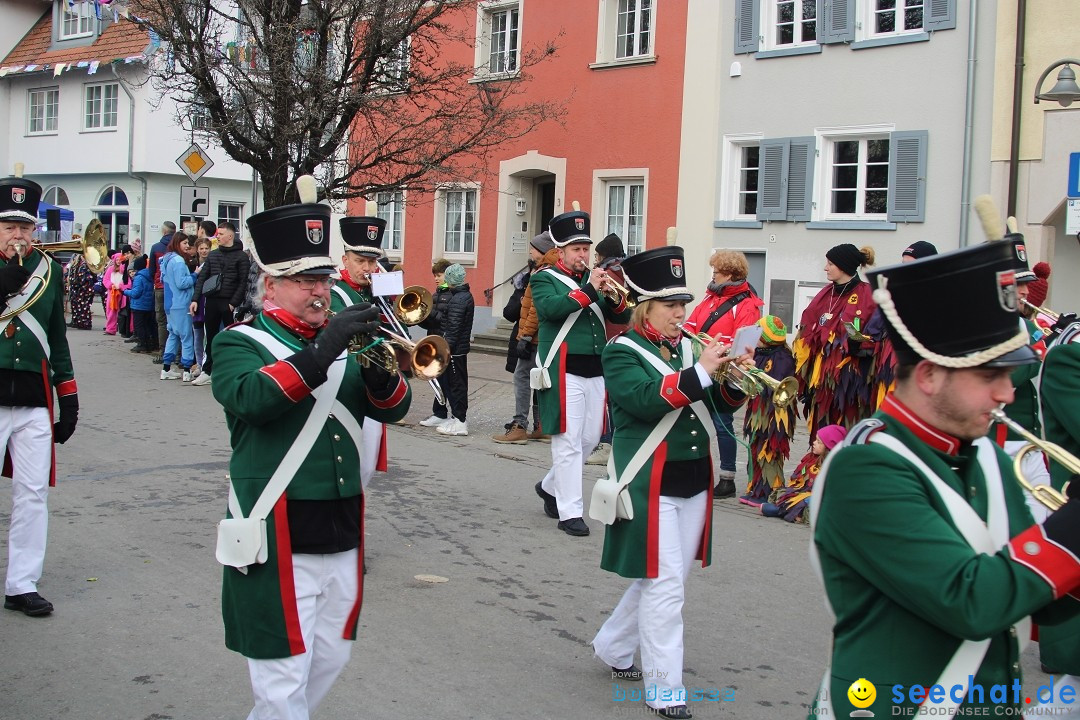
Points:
(729, 304)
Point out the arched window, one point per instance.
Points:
(112, 211)
(56, 196)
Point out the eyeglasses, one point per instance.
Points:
(309, 283)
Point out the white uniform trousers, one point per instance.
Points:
(27, 433)
(1035, 472)
(371, 433)
(649, 615)
(291, 688)
(584, 422)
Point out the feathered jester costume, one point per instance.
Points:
(769, 428)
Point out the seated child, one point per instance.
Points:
(792, 502)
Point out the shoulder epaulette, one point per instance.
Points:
(860, 434)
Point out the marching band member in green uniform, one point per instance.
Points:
(929, 556)
(294, 403)
(35, 363)
(363, 238)
(572, 311)
(655, 385)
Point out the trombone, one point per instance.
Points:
(751, 380)
(1045, 494)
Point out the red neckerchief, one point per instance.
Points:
(349, 281)
(937, 439)
(654, 336)
(568, 271)
(290, 322)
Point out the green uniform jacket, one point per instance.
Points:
(554, 302)
(266, 402)
(1024, 408)
(905, 586)
(23, 350)
(1060, 393)
(640, 396)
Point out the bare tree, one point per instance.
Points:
(356, 92)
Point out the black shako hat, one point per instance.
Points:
(363, 235)
(1024, 273)
(980, 278)
(657, 274)
(571, 227)
(292, 240)
(19, 199)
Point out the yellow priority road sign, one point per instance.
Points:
(194, 162)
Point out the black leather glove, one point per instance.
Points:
(12, 277)
(524, 349)
(1064, 320)
(64, 428)
(335, 337)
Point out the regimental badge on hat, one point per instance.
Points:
(18, 195)
(292, 240)
(981, 279)
(657, 274)
(363, 235)
(19, 199)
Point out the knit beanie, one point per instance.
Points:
(831, 435)
(919, 249)
(610, 247)
(1037, 288)
(847, 257)
(454, 275)
(543, 242)
(773, 330)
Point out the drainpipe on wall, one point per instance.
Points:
(131, 153)
(969, 119)
(1017, 99)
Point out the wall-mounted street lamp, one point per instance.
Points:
(1065, 91)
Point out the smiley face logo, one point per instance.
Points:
(862, 693)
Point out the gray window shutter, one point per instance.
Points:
(836, 21)
(747, 17)
(800, 185)
(940, 15)
(772, 179)
(907, 176)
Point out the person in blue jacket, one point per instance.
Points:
(141, 298)
(179, 281)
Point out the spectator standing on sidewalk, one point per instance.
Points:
(523, 343)
(231, 264)
(157, 251)
(141, 297)
(457, 321)
(431, 323)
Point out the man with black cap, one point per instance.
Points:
(569, 374)
(295, 401)
(35, 364)
(363, 237)
(929, 556)
(917, 251)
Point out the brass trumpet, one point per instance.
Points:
(1043, 311)
(751, 380)
(613, 290)
(1045, 494)
(429, 356)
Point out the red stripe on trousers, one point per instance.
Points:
(285, 578)
(354, 614)
(562, 388)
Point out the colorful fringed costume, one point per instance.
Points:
(769, 428)
(793, 500)
(839, 377)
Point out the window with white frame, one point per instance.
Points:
(392, 70)
(43, 105)
(392, 210)
(498, 46)
(625, 212)
(101, 106)
(56, 195)
(231, 212)
(857, 177)
(895, 17)
(791, 22)
(625, 30)
(746, 183)
(459, 221)
(76, 20)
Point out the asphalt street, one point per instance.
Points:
(137, 631)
